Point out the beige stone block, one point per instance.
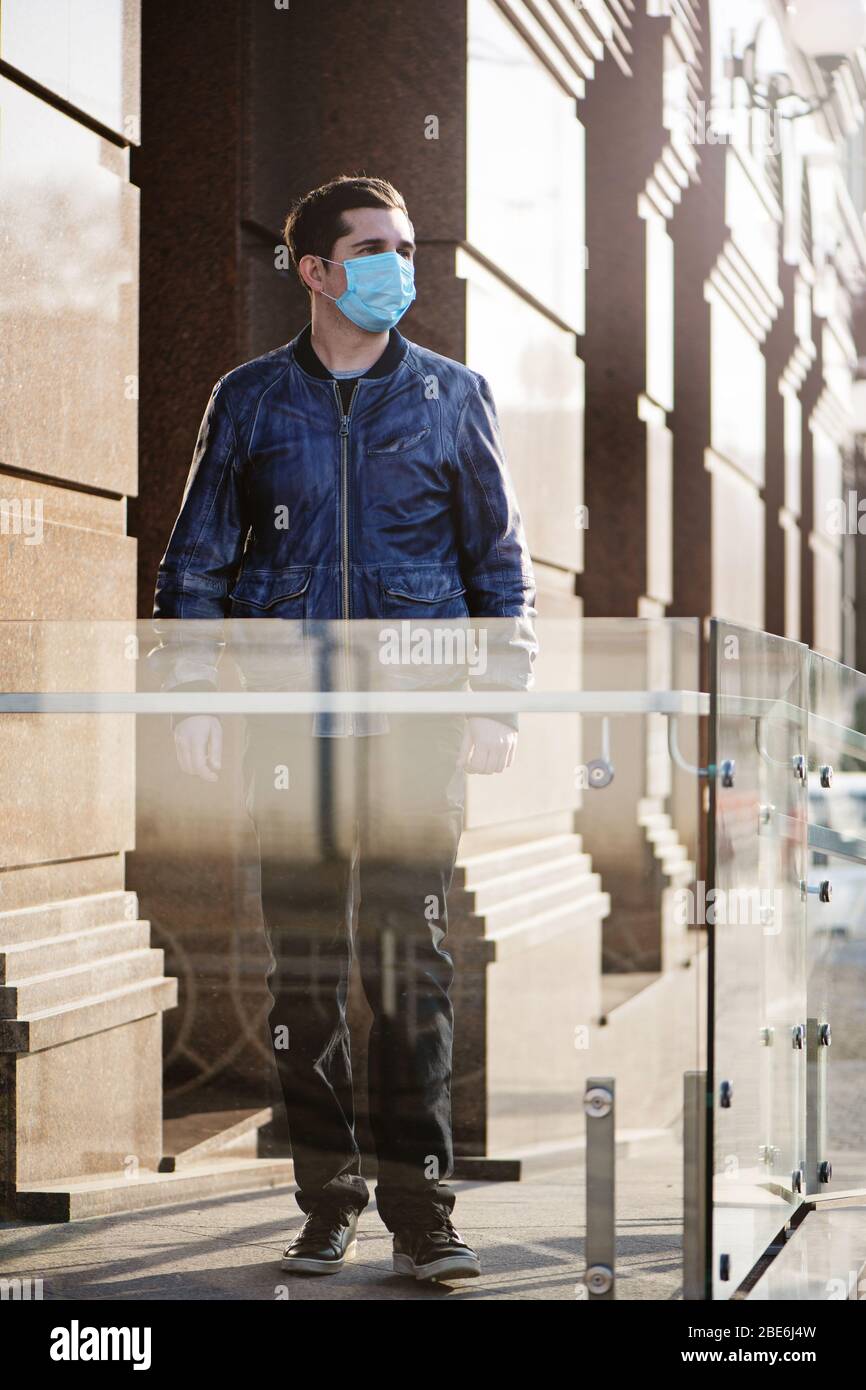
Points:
(25, 499)
(81, 1019)
(537, 999)
(68, 574)
(107, 1194)
(647, 1045)
(68, 783)
(90, 1106)
(545, 1040)
(31, 885)
(65, 916)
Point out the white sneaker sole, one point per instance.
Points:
(306, 1266)
(449, 1267)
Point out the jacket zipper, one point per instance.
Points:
(344, 488)
(344, 518)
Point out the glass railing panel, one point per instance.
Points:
(324, 800)
(638, 818)
(837, 925)
(758, 745)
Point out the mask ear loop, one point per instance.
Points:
(333, 297)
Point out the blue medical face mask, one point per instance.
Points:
(379, 290)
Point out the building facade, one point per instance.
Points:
(656, 262)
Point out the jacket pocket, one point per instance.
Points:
(282, 594)
(425, 593)
(396, 446)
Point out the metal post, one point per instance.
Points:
(818, 1168)
(598, 1104)
(694, 1185)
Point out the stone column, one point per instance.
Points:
(81, 990)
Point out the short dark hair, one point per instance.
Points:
(316, 222)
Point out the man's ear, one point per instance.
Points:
(310, 272)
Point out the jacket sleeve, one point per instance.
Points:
(204, 553)
(494, 557)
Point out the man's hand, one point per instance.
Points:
(488, 746)
(199, 743)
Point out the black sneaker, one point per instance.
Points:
(432, 1249)
(324, 1243)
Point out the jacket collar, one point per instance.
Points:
(307, 360)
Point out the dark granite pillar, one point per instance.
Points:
(624, 138)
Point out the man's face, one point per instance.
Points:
(371, 231)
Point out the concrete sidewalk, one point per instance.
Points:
(529, 1235)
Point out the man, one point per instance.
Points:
(350, 475)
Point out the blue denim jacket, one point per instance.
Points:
(399, 507)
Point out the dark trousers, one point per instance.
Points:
(357, 842)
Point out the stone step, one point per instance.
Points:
(50, 1027)
(472, 870)
(512, 1165)
(675, 859)
(104, 1194)
(653, 813)
(56, 953)
(662, 836)
(490, 894)
(681, 879)
(618, 988)
(670, 851)
(524, 906)
(667, 847)
(659, 829)
(39, 992)
(188, 1139)
(544, 926)
(681, 872)
(66, 915)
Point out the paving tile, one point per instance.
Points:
(530, 1236)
